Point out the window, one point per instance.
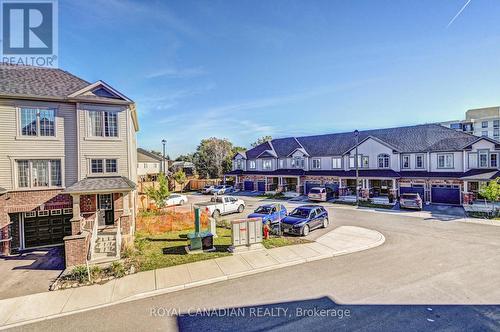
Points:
(383, 161)
(484, 133)
(266, 164)
(405, 162)
(298, 162)
(484, 124)
(496, 133)
(56, 212)
(483, 158)
(282, 163)
(496, 123)
(352, 164)
(316, 163)
(38, 173)
(37, 122)
(445, 160)
(30, 214)
(110, 165)
(103, 124)
(96, 166)
(419, 161)
(365, 162)
(472, 160)
(494, 160)
(239, 164)
(337, 162)
(68, 211)
(456, 125)
(103, 166)
(43, 213)
(252, 164)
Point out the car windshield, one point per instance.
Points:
(174, 196)
(409, 196)
(263, 209)
(207, 187)
(316, 191)
(219, 187)
(300, 213)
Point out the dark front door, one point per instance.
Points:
(106, 205)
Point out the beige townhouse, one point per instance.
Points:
(68, 164)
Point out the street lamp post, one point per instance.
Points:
(356, 134)
(164, 142)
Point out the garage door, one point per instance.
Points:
(248, 186)
(261, 186)
(46, 230)
(445, 194)
(310, 185)
(412, 190)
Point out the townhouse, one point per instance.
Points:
(68, 164)
(443, 165)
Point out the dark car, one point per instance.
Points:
(410, 201)
(304, 219)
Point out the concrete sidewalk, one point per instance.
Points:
(31, 308)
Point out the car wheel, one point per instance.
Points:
(241, 208)
(325, 223)
(216, 214)
(305, 230)
(181, 202)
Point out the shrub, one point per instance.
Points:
(128, 250)
(118, 269)
(95, 272)
(80, 273)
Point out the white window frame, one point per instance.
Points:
(484, 133)
(252, 164)
(68, 211)
(15, 174)
(30, 214)
(384, 157)
(445, 160)
(281, 163)
(496, 160)
(43, 213)
(267, 164)
(313, 161)
(99, 108)
(336, 160)
(496, 123)
(37, 136)
(469, 163)
(104, 166)
(486, 154)
(298, 162)
(484, 124)
(56, 212)
(423, 161)
(403, 157)
(239, 164)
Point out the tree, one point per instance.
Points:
(186, 157)
(492, 191)
(261, 140)
(180, 178)
(160, 194)
(213, 157)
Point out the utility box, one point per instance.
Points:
(246, 234)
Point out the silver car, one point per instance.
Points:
(410, 201)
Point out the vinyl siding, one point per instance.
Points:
(13, 146)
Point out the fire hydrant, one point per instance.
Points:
(266, 231)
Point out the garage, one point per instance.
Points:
(412, 190)
(310, 185)
(261, 186)
(45, 228)
(248, 186)
(445, 194)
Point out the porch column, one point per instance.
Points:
(394, 184)
(466, 186)
(126, 204)
(297, 189)
(76, 221)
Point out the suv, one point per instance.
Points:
(410, 201)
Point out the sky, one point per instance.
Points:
(243, 69)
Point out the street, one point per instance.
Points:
(422, 262)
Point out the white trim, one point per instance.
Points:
(37, 137)
(94, 86)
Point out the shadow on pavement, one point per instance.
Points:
(323, 314)
(40, 259)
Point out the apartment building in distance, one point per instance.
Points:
(483, 122)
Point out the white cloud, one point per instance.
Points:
(177, 73)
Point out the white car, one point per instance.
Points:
(207, 189)
(176, 199)
(221, 190)
(222, 205)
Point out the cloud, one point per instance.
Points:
(177, 73)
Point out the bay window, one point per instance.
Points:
(37, 122)
(39, 173)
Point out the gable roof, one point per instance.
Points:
(149, 154)
(478, 139)
(267, 154)
(376, 140)
(410, 139)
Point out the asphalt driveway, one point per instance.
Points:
(30, 272)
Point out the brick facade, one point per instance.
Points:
(76, 249)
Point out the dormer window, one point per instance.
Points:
(239, 164)
(298, 162)
(383, 161)
(483, 158)
(266, 164)
(251, 164)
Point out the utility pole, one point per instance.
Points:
(164, 142)
(356, 134)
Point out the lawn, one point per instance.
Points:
(168, 249)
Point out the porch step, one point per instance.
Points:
(105, 244)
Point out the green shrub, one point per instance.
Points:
(80, 273)
(95, 272)
(118, 269)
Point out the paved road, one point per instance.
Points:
(422, 262)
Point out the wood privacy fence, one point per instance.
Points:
(197, 184)
(168, 221)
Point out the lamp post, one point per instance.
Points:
(356, 134)
(164, 142)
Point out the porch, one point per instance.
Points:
(376, 189)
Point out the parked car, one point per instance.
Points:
(410, 201)
(176, 199)
(221, 190)
(270, 213)
(317, 194)
(222, 205)
(304, 219)
(207, 189)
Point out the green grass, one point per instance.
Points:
(275, 242)
(168, 249)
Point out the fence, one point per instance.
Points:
(197, 184)
(167, 221)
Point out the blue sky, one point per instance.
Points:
(243, 69)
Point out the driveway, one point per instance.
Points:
(442, 209)
(30, 272)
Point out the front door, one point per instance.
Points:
(106, 208)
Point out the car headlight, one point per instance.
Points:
(300, 224)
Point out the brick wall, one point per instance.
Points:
(4, 245)
(76, 248)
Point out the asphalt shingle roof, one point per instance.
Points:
(419, 138)
(100, 184)
(38, 81)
